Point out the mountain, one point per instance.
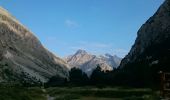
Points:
(153, 38)
(22, 56)
(151, 50)
(88, 62)
(78, 59)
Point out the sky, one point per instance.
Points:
(97, 26)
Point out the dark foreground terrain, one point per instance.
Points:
(77, 93)
(21, 93)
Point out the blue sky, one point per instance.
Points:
(98, 26)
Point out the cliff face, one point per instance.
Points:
(22, 55)
(152, 45)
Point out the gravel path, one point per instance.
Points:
(47, 95)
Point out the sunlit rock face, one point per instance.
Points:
(23, 56)
(88, 62)
(153, 41)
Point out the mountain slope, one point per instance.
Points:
(151, 50)
(22, 54)
(79, 58)
(87, 62)
(156, 31)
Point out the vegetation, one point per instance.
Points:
(108, 93)
(144, 72)
(77, 77)
(21, 93)
(101, 78)
(133, 75)
(56, 81)
(77, 93)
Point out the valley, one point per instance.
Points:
(29, 71)
(77, 93)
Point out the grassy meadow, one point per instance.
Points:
(108, 93)
(21, 93)
(77, 93)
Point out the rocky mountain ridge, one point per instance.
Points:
(22, 55)
(152, 42)
(88, 62)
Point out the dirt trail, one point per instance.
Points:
(47, 95)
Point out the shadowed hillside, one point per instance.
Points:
(22, 56)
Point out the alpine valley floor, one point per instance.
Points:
(77, 93)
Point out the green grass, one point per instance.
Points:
(20, 93)
(77, 93)
(92, 93)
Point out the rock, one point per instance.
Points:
(153, 40)
(23, 53)
(88, 62)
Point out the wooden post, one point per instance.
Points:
(162, 79)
